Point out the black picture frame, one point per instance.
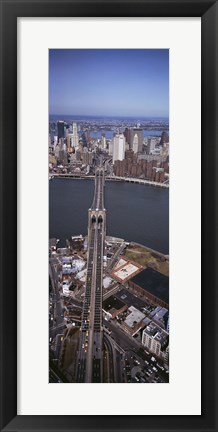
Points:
(10, 11)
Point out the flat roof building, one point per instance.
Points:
(113, 306)
(134, 321)
(152, 286)
(125, 269)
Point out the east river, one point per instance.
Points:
(138, 213)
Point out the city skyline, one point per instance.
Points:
(109, 82)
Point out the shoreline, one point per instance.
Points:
(119, 240)
(113, 179)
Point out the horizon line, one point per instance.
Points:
(110, 115)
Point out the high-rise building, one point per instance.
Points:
(87, 158)
(135, 143)
(60, 127)
(103, 141)
(127, 135)
(63, 157)
(84, 139)
(78, 155)
(164, 138)
(140, 134)
(119, 141)
(75, 136)
(57, 151)
(151, 145)
(69, 140)
(130, 134)
(110, 148)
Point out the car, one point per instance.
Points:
(160, 367)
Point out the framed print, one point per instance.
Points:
(115, 86)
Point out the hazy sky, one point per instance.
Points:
(112, 82)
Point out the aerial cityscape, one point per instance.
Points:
(108, 216)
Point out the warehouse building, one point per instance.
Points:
(152, 286)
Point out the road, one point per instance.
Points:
(110, 359)
(126, 343)
(57, 324)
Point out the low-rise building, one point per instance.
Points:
(152, 286)
(125, 269)
(112, 307)
(133, 321)
(161, 316)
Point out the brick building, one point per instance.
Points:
(151, 286)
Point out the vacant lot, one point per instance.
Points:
(146, 257)
(69, 348)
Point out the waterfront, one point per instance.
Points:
(137, 213)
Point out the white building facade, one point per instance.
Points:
(119, 142)
(135, 145)
(75, 138)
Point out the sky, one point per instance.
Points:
(109, 82)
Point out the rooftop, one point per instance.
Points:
(112, 303)
(154, 282)
(156, 333)
(125, 269)
(134, 317)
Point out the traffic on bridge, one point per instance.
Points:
(90, 363)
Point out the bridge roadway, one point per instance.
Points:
(89, 367)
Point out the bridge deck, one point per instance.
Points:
(90, 348)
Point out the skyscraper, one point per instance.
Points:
(130, 134)
(135, 143)
(60, 126)
(103, 141)
(110, 148)
(119, 141)
(140, 135)
(75, 136)
(151, 145)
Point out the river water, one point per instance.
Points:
(138, 213)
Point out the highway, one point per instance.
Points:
(89, 368)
